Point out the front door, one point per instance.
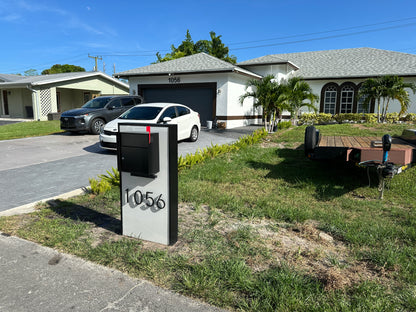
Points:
(5, 103)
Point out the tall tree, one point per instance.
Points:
(383, 90)
(296, 94)
(371, 90)
(214, 47)
(66, 68)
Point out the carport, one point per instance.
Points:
(198, 96)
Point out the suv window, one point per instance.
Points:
(182, 110)
(114, 103)
(169, 112)
(127, 102)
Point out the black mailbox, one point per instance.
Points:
(139, 153)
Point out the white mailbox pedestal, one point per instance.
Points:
(147, 158)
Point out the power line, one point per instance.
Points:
(324, 38)
(324, 32)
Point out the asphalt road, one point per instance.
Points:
(35, 169)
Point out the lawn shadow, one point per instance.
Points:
(331, 179)
(84, 214)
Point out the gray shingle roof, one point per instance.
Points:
(57, 78)
(196, 63)
(357, 62)
(9, 77)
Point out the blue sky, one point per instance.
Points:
(127, 34)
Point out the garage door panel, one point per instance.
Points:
(200, 100)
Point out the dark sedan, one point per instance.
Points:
(97, 112)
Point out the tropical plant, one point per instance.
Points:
(383, 90)
(296, 93)
(266, 93)
(214, 47)
(66, 68)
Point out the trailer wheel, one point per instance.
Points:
(310, 139)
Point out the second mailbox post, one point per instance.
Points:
(148, 164)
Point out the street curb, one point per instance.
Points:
(28, 208)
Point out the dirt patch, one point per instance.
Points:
(301, 246)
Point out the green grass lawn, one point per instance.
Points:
(29, 129)
(261, 229)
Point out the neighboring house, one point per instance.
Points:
(213, 87)
(36, 97)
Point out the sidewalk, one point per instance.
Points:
(36, 278)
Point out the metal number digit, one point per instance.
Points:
(138, 197)
(150, 201)
(160, 203)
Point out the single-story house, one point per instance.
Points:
(37, 97)
(213, 87)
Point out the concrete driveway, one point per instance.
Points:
(35, 169)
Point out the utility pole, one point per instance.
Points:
(96, 58)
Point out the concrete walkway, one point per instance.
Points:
(35, 278)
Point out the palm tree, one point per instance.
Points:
(395, 90)
(384, 89)
(297, 94)
(266, 93)
(371, 90)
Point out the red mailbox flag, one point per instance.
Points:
(148, 130)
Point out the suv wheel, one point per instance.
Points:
(96, 125)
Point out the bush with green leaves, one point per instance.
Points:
(99, 186)
(284, 125)
(409, 117)
(210, 152)
(112, 177)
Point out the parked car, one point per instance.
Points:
(94, 114)
(187, 120)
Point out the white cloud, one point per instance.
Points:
(13, 17)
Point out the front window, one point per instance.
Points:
(347, 99)
(99, 102)
(361, 109)
(141, 113)
(330, 100)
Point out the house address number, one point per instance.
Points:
(146, 198)
(174, 80)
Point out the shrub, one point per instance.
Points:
(284, 125)
(409, 117)
(392, 117)
(370, 118)
(113, 177)
(99, 186)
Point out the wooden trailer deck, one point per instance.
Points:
(360, 142)
(369, 148)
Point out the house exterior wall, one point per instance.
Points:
(394, 106)
(98, 85)
(17, 99)
(279, 71)
(236, 87)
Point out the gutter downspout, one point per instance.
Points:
(37, 102)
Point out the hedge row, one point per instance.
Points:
(322, 118)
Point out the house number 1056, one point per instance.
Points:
(147, 198)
